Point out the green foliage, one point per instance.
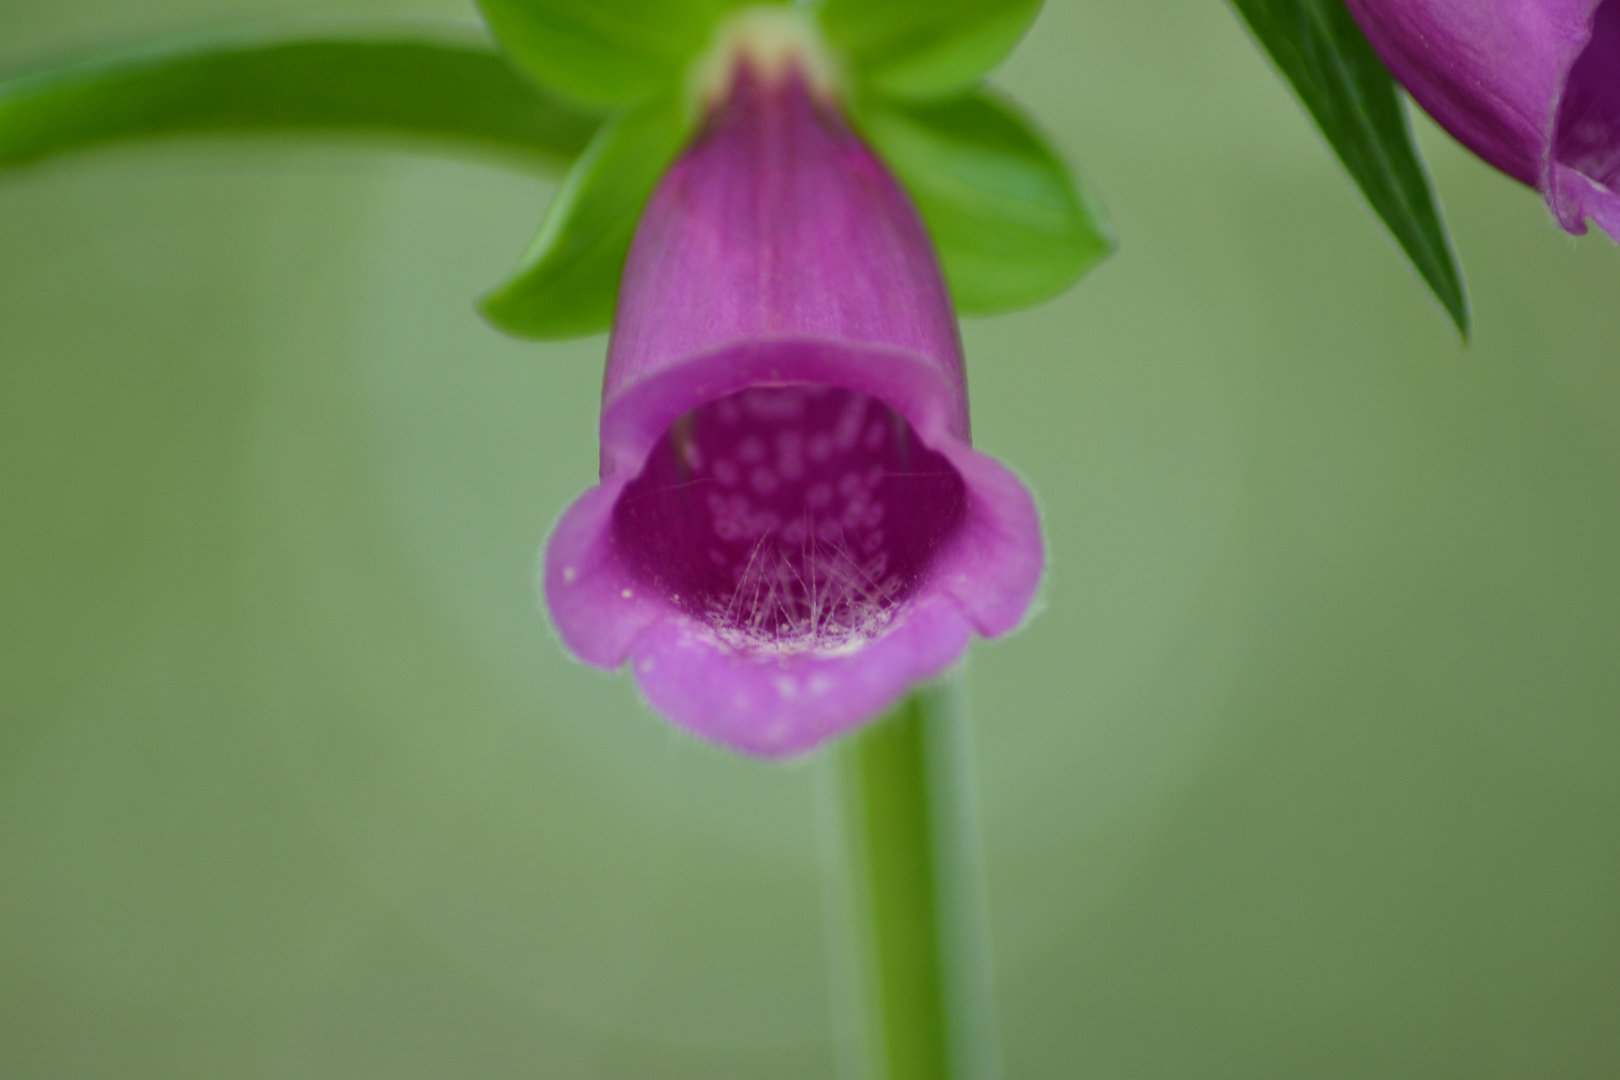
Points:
(608, 79)
(609, 52)
(569, 279)
(455, 93)
(1350, 94)
(1012, 224)
(926, 48)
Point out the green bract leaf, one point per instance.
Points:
(569, 279)
(1351, 96)
(610, 52)
(926, 48)
(1012, 224)
(457, 93)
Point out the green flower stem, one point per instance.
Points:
(913, 883)
(445, 93)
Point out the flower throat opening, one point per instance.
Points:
(789, 519)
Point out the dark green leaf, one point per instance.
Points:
(1351, 96)
(610, 52)
(1012, 224)
(926, 48)
(569, 279)
(459, 94)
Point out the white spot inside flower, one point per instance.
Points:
(818, 685)
(850, 421)
(628, 593)
(792, 500)
(569, 574)
(787, 686)
(789, 454)
(648, 665)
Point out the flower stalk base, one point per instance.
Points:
(918, 997)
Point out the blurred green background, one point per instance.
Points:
(1308, 769)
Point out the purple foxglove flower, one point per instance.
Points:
(791, 526)
(1531, 86)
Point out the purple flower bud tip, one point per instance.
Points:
(791, 526)
(1531, 86)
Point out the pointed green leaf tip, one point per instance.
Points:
(925, 48)
(569, 279)
(1012, 224)
(457, 95)
(607, 52)
(1350, 94)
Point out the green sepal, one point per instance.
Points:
(569, 279)
(1320, 50)
(607, 52)
(457, 94)
(925, 48)
(1012, 224)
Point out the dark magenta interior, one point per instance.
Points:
(789, 518)
(1588, 134)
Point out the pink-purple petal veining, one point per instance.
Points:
(1531, 86)
(792, 527)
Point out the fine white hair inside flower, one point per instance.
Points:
(789, 519)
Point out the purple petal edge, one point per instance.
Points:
(983, 581)
(778, 256)
(1496, 75)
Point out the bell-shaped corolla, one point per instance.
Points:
(1531, 86)
(791, 526)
